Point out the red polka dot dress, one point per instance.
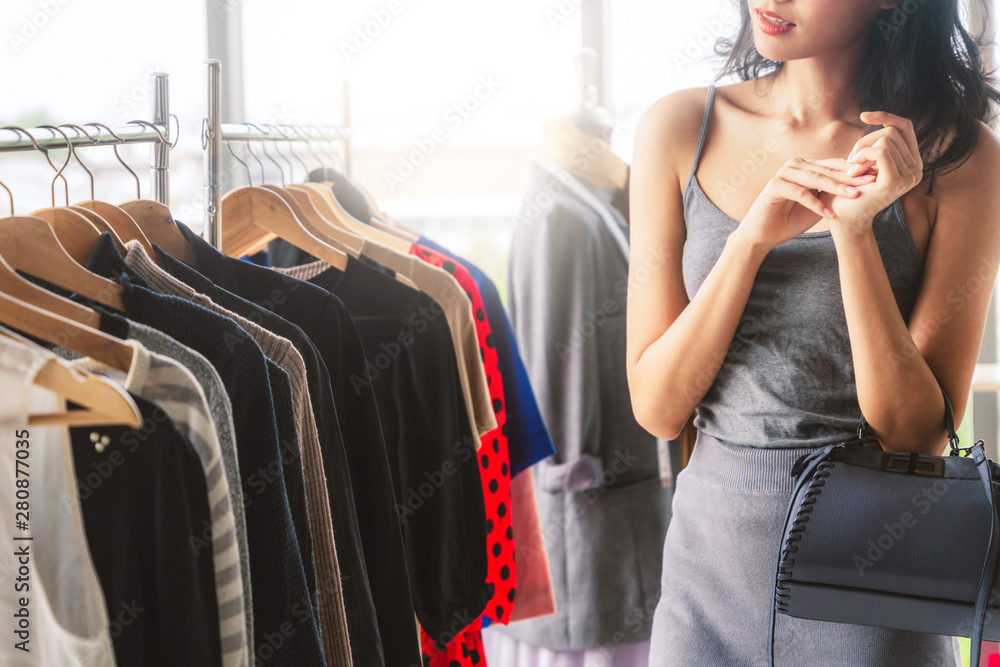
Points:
(466, 649)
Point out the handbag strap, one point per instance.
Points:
(984, 465)
(949, 423)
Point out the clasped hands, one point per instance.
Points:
(891, 157)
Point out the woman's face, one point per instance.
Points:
(821, 26)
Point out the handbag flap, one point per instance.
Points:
(918, 522)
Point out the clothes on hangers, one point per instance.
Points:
(278, 578)
(280, 350)
(341, 453)
(331, 328)
(65, 621)
(174, 389)
(431, 442)
(528, 439)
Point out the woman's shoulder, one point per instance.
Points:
(976, 174)
(668, 129)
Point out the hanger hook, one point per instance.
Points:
(335, 159)
(229, 147)
(322, 148)
(138, 192)
(177, 134)
(77, 156)
(308, 143)
(10, 195)
(163, 139)
(291, 171)
(268, 155)
(69, 156)
(254, 156)
(291, 149)
(43, 151)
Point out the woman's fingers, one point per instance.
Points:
(801, 194)
(813, 178)
(837, 167)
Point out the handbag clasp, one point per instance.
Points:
(913, 464)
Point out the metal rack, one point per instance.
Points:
(215, 133)
(156, 132)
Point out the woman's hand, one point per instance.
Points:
(893, 156)
(801, 190)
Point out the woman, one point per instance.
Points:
(807, 273)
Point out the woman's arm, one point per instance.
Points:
(898, 367)
(675, 348)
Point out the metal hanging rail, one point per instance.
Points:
(156, 132)
(215, 132)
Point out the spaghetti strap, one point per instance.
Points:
(704, 127)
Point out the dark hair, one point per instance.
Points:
(920, 63)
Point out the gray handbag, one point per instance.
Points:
(892, 539)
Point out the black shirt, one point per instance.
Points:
(412, 366)
(282, 606)
(361, 616)
(142, 499)
(328, 324)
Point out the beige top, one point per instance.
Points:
(333, 615)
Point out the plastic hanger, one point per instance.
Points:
(108, 402)
(252, 215)
(155, 219)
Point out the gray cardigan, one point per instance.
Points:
(603, 510)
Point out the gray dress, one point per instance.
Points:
(786, 386)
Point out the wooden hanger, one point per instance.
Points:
(108, 402)
(111, 218)
(121, 223)
(384, 221)
(102, 225)
(153, 219)
(29, 244)
(157, 223)
(346, 221)
(12, 284)
(72, 225)
(318, 223)
(65, 333)
(252, 215)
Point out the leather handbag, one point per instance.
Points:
(892, 539)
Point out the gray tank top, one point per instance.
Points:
(788, 378)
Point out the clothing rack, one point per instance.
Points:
(156, 131)
(215, 133)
